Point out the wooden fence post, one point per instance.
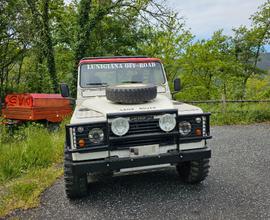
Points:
(223, 98)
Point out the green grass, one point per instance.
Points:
(29, 148)
(237, 113)
(24, 192)
(28, 162)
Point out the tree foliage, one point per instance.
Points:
(42, 42)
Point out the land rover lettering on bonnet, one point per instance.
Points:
(125, 120)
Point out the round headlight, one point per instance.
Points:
(184, 128)
(96, 135)
(167, 122)
(120, 126)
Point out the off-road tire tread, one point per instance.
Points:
(193, 171)
(75, 186)
(131, 95)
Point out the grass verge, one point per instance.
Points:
(24, 192)
(29, 163)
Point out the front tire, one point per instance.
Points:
(75, 185)
(193, 171)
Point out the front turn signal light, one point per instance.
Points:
(198, 132)
(81, 142)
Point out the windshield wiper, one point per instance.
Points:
(131, 82)
(96, 84)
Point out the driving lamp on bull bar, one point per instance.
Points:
(120, 126)
(167, 122)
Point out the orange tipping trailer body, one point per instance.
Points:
(36, 106)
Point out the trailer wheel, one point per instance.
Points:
(75, 185)
(53, 127)
(193, 171)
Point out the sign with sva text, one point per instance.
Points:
(19, 100)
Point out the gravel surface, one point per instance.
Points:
(238, 187)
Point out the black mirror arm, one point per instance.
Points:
(174, 93)
(72, 102)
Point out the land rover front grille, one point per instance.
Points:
(142, 127)
(143, 130)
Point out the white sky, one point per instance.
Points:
(206, 16)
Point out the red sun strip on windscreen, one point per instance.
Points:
(121, 60)
(97, 66)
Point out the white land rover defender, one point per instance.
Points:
(125, 120)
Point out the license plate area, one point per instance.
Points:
(144, 150)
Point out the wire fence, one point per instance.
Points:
(224, 106)
(227, 101)
(232, 106)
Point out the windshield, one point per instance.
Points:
(103, 74)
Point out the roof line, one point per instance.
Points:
(111, 57)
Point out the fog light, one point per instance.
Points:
(167, 122)
(120, 126)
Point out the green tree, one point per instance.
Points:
(41, 20)
(249, 44)
(92, 13)
(13, 38)
(247, 52)
(168, 42)
(208, 67)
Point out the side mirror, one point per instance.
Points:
(64, 90)
(177, 84)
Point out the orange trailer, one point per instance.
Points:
(36, 107)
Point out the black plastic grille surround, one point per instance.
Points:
(204, 125)
(84, 135)
(193, 123)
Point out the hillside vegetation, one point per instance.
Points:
(264, 62)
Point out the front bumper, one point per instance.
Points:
(115, 164)
(141, 132)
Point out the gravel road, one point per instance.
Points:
(238, 187)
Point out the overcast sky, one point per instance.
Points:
(206, 16)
